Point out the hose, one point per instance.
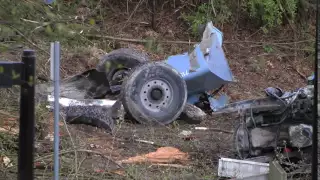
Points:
(251, 114)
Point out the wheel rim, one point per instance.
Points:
(156, 95)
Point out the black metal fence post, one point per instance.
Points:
(27, 114)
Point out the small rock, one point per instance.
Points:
(151, 34)
(185, 133)
(170, 33)
(94, 146)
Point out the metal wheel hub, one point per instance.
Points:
(155, 95)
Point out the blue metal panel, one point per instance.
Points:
(180, 62)
(211, 72)
(216, 104)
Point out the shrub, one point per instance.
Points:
(268, 14)
(216, 10)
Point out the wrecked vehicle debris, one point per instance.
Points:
(101, 113)
(156, 92)
(289, 112)
(279, 123)
(234, 168)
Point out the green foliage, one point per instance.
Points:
(268, 48)
(60, 21)
(272, 13)
(196, 18)
(269, 14)
(291, 8)
(216, 10)
(8, 143)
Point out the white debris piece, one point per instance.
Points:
(234, 168)
(144, 141)
(201, 128)
(65, 102)
(49, 137)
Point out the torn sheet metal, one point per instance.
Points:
(269, 103)
(67, 102)
(257, 177)
(206, 63)
(261, 159)
(262, 104)
(218, 103)
(90, 84)
(234, 168)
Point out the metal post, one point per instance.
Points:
(27, 111)
(56, 108)
(51, 61)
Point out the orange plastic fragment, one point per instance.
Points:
(162, 155)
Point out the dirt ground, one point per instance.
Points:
(256, 60)
(204, 148)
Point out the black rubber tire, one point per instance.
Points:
(133, 85)
(120, 58)
(192, 114)
(96, 116)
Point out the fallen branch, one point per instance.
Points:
(79, 150)
(85, 151)
(171, 165)
(66, 175)
(134, 11)
(138, 40)
(31, 21)
(293, 49)
(74, 147)
(300, 73)
(144, 141)
(192, 42)
(213, 129)
(28, 40)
